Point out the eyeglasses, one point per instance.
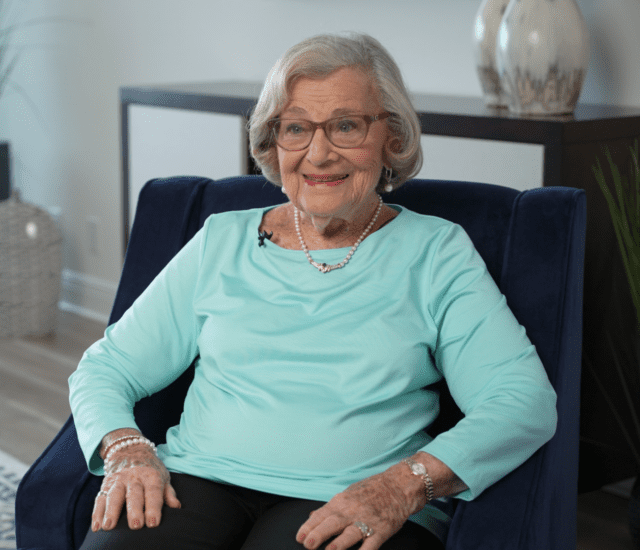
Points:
(345, 132)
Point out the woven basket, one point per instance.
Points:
(30, 265)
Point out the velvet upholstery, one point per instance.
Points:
(533, 244)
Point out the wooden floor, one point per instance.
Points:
(34, 405)
(34, 391)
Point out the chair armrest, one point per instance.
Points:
(538, 500)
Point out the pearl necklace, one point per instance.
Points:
(324, 268)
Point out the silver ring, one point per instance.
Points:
(366, 530)
(102, 493)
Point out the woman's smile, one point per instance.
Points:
(331, 180)
(334, 186)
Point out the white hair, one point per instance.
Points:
(318, 57)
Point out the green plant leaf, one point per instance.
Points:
(622, 195)
(623, 201)
(6, 46)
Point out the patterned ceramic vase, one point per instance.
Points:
(542, 54)
(485, 30)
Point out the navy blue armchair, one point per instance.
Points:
(533, 244)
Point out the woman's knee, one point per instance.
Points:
(209, 519)
(121, 537)
(178, 530)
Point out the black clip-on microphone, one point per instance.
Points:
(262, 235)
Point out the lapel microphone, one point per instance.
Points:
(262, 235)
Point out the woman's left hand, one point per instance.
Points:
(382, 502)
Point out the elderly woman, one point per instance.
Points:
(304, 426)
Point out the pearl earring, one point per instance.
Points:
(388, 174)
(283, 190)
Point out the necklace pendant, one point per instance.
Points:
(324, 268)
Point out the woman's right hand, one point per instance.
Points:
(139, 478)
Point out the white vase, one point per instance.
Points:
(542, 54)
(486, 27)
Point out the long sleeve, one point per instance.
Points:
(352, 354)
(146, 350)
(491, 368)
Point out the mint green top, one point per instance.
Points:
(308, 382)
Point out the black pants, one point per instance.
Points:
(215, 516)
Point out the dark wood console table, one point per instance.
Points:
(571, 145)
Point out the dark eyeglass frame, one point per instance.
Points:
(315, 125)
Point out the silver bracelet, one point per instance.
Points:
(136, 440)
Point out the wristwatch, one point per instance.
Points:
(418, 469)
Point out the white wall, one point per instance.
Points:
(70, 160)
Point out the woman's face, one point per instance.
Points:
(324, 180)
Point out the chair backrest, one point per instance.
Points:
(533, 245)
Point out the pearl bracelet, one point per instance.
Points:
(135, 440)
(106, 451)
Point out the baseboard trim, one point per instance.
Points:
(84, 312)
(87, 296)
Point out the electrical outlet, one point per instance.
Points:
(93, 226)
